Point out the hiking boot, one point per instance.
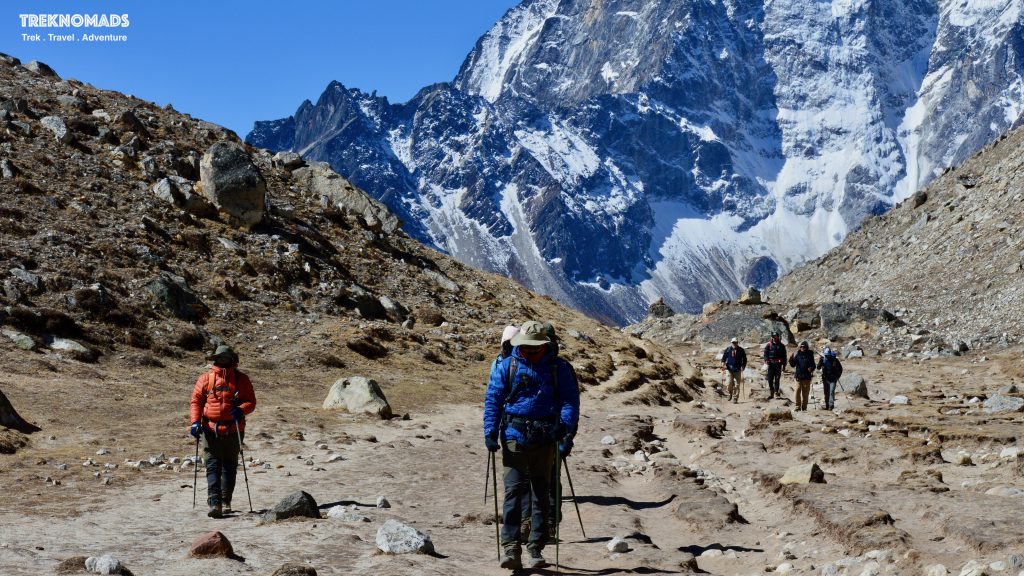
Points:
(510, 558)
(534, 558)
(736, 400)
(226, 508)
(216, 511)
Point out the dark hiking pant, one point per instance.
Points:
(220, 453)
(829, 388)
(527, 482)
(774, 379)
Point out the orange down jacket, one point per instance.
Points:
(216, 392)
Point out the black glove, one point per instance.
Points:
(565, 447)
(561, 430)
(237, 413)
(492, 443)
(195, 429)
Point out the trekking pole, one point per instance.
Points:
(572, 491)
(558, 507)
(487, 475)
(494, 481)
(244, 473)
(195, 475)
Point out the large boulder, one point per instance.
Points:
(854, 385)
(998, 403)
(295, 505)
(324, 182)
(181, 193)
(658, 309)
(845, 320)
(358, 395)
(754, 323)
(397, 538)
(233, 184)
(697, 425)
(750, 296)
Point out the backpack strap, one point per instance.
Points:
(513, 365)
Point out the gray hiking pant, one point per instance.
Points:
(527, 483)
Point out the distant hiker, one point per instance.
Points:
(221, 399)
(831, 370)
(531, 405)
(775, 359)
(734, 361)
(803, 368)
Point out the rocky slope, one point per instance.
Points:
(950, 259)
(128, 238)
(610, 153)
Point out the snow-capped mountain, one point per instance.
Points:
(610, 152)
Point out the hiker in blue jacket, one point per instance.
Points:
(532, 404)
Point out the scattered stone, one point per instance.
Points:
(750, 296)
(296, 504)
(962, 459)
(232, 183)
(7, 169)
(936, 570)
(174, 293)
(56, 125)
(899, 400)
(998, 404)
(1005, 491)
(74, 349)
(998, 566)
(711, 426)
(854, 385)
(712, 553)
(618, 545)
(1010, 453)
(608, 440)
(293, 569)
(382, 502)
(105, 564)
(212, 544)
(343, 514)
(784, 568)
(658, 309)
(20, 340)
(180, 192)
(803, 474)
(357, 394)
(397, 538)
(776, 414)
(974, 568)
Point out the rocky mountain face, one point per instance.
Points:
(140, 235)
(949, 259)
(610, 153)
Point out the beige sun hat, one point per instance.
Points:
(531, 333)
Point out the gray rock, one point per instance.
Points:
(899, 400)
(26, 277)
(293, 569)
(750, 296)
(608, 440)
(357, 394)
(7, 169)
(658, 309)
(343, 514)
(854, 385)
(618, 545)
(288, 160)
(105, 564)
(20, 340)
(41, 69)
(181, 192)
(173, 292)
(56, 125)
(383, 502)
(9, 60)
(74, 349)
(999, 404)
(776, 414)
(320, 180)
(233, 184)
(397, 538)
(803, 474)
(297, 504)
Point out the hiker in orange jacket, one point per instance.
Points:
(220, 400)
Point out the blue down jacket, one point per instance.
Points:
(534, 398)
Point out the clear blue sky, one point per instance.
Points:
(233, 62)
